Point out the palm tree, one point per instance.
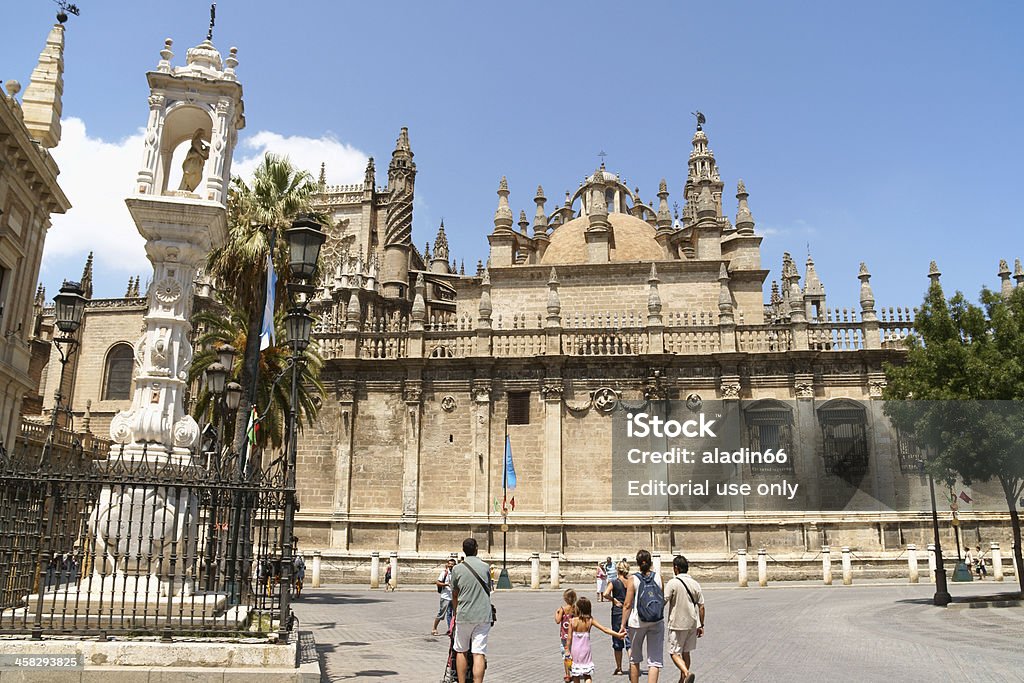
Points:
(278, 192)
(228, 326)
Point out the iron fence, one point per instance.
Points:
(141, 542)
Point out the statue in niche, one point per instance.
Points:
(192, 167)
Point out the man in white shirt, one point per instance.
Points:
(444, 587)
(685, 602)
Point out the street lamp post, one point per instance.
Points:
(942, 596)
(305, 238)
(70, 307)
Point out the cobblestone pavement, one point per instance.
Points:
(779, 633)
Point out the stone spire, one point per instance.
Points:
(1018, 272)
(524, 224)
(462, 267)
(484, 309)
(933, 273)
(653, 298)
(398, 224)
(40, 299)
(598, 207)
(418, 314)
(664, 219)
(503, 214)
(128, 290)
(744, 219)
(702, 172)
(1006, 289)
(867, 297)
(426, 252)
(370, 176)
(540, 218)
(725, 312)
(705, 202)
(87, 276)
(554, 318)
(812, 283)
(353, 314)
(41, 102)
(322, 181)
(441, 243)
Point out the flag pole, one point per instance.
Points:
(503, 578)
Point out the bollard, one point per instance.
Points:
(535, 570)
(997, 562)
(762, 567)
(374, 569)
(656, 563)
(556, 581)
(741, 559)
(393, 557)
(847, 568)
(826, 565)
(931, 562)
(912, 563)
(316, 569)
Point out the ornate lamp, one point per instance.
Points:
(226, 355)
(305, 238)
(298, 325)
(232, 395)
(216, 374)
(70, 303)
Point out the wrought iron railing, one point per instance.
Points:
(139, 542)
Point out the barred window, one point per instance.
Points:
(117, 382)
(909, 454)
(770, 426)
(845, 437)
(519, 407)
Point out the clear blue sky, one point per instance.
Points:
(888, 132)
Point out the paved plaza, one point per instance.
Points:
(779, 633)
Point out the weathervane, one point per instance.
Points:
(65, 9)
(700, 119)
(213, 19)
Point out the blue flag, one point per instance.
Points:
(510, 474)
(267, 336)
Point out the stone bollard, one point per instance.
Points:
(997, 562)
(912, 563)
(535, 570)
(556, 581)
(393, 558)
(656, 563)
(826, 565)
(374, 569)
(931, 562)
(847, 568)
(741, 559)
(762, 567)
(316, 569)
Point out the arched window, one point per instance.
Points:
(845, 437)
(770, 426)
(117, 374)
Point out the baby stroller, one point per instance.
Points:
(451, 674)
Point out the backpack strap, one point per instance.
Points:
(687, 589)
(487, 589)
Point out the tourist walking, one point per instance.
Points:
(299, 573)
(582, 669)
(388, 585)
(602, 579)
(615, 591)
(685, 602)
(444, 588)
(471, 601)
(979, 563)
(563, 617)
(644, 614)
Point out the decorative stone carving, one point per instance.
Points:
(121, 427)
(448, 403)
(804, 390)
(694, 402)
(186, 432)
(876, 387)
(730, 390)
(346, 392)
(481, 391)
(552, 390)
(412, 391)
(605, 399)
(167, 291)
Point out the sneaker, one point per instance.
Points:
(690, 678)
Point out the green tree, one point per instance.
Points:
(960, 392)
(277, 193)
(228, 326)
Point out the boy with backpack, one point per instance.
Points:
(685, 616)
(643, 612)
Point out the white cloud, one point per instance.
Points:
(97, 175)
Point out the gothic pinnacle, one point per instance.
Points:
(369, 178)
(323, 175)
(540, 218)
(1018, 272)
(523, 223)
(503, 214)
(441, 243)
(933, 272)
(1004, 277)
(867, 297)
(664, 219)
(744, 219)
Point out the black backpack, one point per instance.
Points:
(650, 599)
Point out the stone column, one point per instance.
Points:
(552, 394)
(346, 393)
(847, 568)
(316, 569)
(762, 567)
(826, 565)
(393, 559)
(375, 569)
(741, 560)
(912, 563)
(481, 435)
(535, 570)
(556, 581)
(931, 562)
(412, 394)
(656, 562)
(997, 562)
